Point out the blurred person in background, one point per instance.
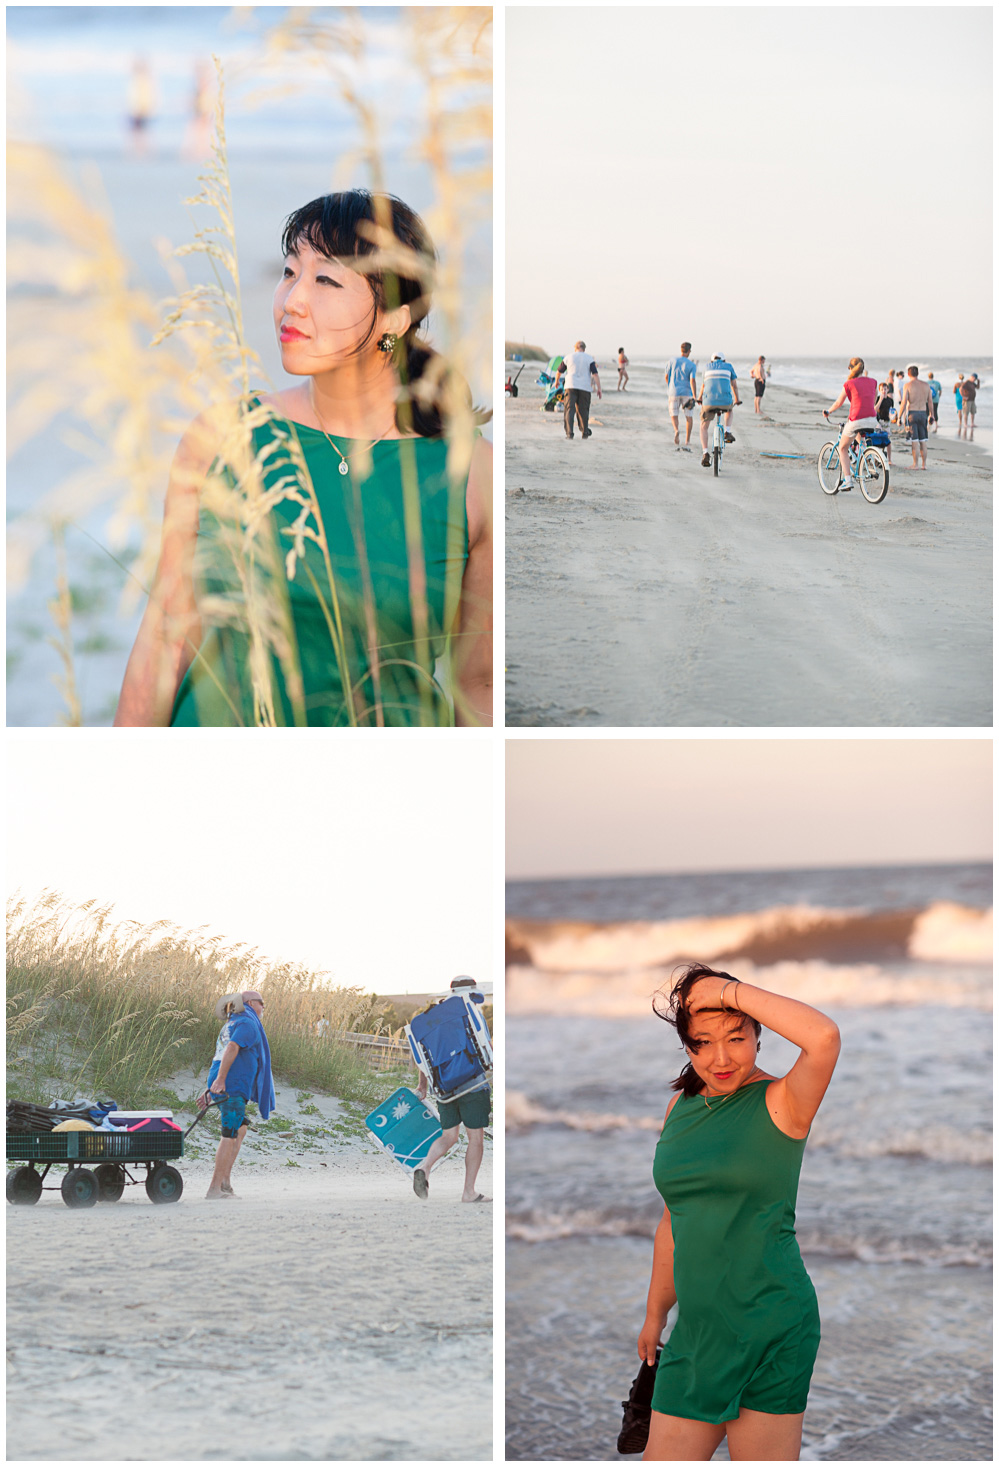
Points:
(141, 105)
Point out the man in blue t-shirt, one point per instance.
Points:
(681, 387)
(718, 395)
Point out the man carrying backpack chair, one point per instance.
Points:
(470, 1108)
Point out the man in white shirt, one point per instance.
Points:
(581, 376)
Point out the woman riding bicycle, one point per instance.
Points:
(862, 392)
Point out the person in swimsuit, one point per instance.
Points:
(622, 370)
(916, 403)
(758, 372)
(327, 544)
(739, 1359)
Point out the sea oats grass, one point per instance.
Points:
(111, 1009)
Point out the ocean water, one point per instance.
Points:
(70, 69)
(894, 1207)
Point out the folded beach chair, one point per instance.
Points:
(451, 1046)
(404, 1127)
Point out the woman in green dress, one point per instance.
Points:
(326, 546)
(740, 1356)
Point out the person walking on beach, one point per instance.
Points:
(959, 401)
(681, 390)
(934, 387)
(470, 1110)
(581, 376)
(622, 370)
(916, 403)
(969, 391)
(240, 1072)
(718, 395)
(862, 393)
(739, 1359)
(758, 372)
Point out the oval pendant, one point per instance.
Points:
(344, 468)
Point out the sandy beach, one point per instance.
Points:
(326, 1314)
(642, 591)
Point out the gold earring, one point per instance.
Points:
(388, 341)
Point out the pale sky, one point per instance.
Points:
(368, 856)
(593, 807)
(790, 179)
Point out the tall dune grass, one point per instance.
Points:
(113, 1010)
(92, 349)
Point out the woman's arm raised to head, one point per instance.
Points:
(474, 641)
(170, 631)
(800, 1092)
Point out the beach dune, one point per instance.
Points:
(642, 591)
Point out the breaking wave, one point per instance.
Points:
(941, 932)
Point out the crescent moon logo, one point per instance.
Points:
(381, 1120)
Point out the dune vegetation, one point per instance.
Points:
(99, 1009)
(527, 351)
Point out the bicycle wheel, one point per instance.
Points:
(716, 456)
(830, 469)
(872, 471)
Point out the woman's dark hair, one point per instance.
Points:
(672, 1007)
(350, 225)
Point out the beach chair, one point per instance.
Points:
(404, 1127)
(549, 378)
(451, 1046)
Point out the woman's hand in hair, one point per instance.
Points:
(706, 995)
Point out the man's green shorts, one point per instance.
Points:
(472, 1109)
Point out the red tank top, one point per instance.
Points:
(862, 392)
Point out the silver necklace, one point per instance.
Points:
(344, 464)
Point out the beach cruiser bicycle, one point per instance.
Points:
(718, 431)
(868, 464)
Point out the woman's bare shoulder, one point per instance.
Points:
(673, 1102)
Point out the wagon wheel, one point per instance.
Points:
(110, 1181)
(79, 1188)
(24, 1186)
(164, 1184)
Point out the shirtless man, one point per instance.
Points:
(758, 372)
(916, 401)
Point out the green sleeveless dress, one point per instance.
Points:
(747, 1329)
(357, 648)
